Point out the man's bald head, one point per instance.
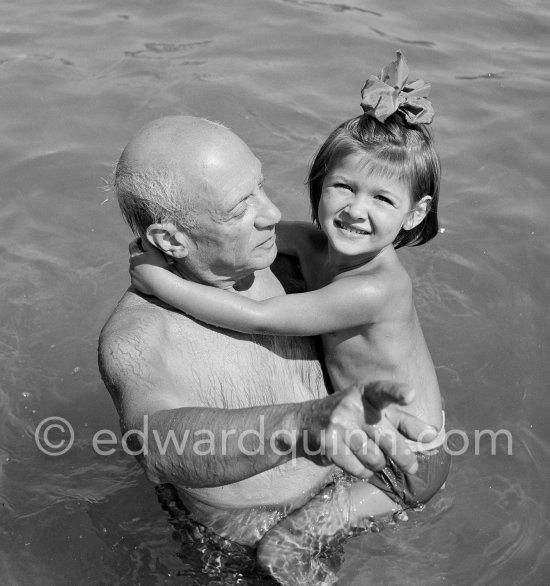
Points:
(166, 166)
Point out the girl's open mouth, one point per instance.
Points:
(349, 228)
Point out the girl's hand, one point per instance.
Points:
(146, 264)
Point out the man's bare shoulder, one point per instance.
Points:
(132, 311)
(130, 352)
(287, 270)
(147, 339)
(136, 323)
(304, 236)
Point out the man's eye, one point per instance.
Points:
(239, 210)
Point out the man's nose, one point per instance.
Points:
(268, 213)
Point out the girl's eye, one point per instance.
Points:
(384, 199)
(342, 186)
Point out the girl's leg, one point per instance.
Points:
(291, 551)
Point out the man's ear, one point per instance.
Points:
(169, 239)
(418, 213)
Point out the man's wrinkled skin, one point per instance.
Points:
(183, 377)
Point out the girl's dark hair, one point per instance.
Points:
(393, 148)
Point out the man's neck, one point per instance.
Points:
(256, 285)
(231, 282)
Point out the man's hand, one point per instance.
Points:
(145, 262)
(355, 429)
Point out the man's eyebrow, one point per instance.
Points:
(225, 213)
(260, 181)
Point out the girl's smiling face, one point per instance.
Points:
(362, 212)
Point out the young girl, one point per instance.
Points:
(374, 187)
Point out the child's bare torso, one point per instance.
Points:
(390, 348)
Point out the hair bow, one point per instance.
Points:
(389, 92)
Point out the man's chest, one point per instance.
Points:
(226, 369)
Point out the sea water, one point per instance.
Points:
(79, 78)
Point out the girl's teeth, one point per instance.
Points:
(351, 229)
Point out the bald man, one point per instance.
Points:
(241, 424)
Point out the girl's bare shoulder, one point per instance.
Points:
(385, 284)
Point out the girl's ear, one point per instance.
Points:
(418, 213)
(169, 239)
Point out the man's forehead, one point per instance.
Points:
(227, 182)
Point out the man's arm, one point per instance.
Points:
(332, 430)
(142, 388)
(343, 428)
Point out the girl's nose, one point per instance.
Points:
(358, 209)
